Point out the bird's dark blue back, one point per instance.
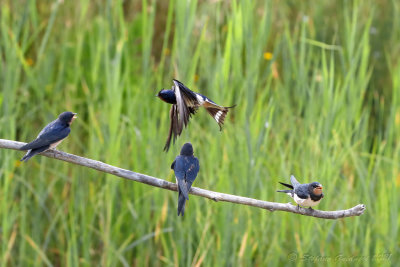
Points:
(301, 191)
(186, 167)
(53, 132)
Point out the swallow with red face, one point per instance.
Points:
(186, 166)
(307, 195)
(185, 103)
(50, 136)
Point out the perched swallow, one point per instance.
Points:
(185, 103)
(307, 195)
(186, 166)
(50, 136)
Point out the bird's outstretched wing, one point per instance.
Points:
(294, 182)
(174, 129)
(180, 113)
(187, 102)
(52, 133)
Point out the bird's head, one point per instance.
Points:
(67, 117)
(316, 188)
(167, 96)
(187, 150)
(162, 94)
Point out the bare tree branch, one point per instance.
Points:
(216, 196)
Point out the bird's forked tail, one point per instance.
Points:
(218, 113)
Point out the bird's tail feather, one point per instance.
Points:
(181, 204)
(285, 191)
(218, 113)
(33, 152)
(182, 188)
(287, 185)
(27, 156)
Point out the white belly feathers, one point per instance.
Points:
(308, 202)
(56, 144)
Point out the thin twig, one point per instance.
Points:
(216, 196)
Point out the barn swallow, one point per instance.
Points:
(185, 103)
(50, 136)
(186, 166)
(307, 195)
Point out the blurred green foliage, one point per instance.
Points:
(316, 85)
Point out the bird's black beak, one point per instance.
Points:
(158, 94)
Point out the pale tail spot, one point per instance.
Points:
(218, 115)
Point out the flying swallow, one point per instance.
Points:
(307, 195)
(185, 103)
(50, 136)
(186, 166)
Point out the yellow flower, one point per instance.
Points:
(268, 55)
(196, 77)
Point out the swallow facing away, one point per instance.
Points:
(186, 166)
(50, 136)
(307, 195)
(185, 103)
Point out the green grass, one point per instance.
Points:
(329, 95)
